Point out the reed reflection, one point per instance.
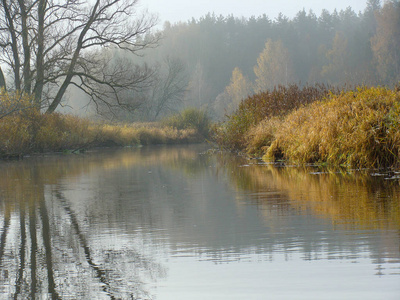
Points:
(348, 198)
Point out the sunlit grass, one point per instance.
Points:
(232, 134)
(355, 129)
(26, 130)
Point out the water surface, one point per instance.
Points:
(178, 222)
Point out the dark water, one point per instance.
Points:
(180, 223)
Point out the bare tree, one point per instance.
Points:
(49, 45)
(169, 88)
(161, 90)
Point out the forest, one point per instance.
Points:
(216, 61)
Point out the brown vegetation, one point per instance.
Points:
(355, 128)
(25, 130)
(232, 134)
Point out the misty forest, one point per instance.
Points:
(217, 61)
(210, 63)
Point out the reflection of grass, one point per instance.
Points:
(21, 179)
(345, 198)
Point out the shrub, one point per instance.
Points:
(59, 132)
(262, 135)
(17, 123)
(357, 129)
(231, 134)
(190, 118)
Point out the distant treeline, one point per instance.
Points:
(229, 58)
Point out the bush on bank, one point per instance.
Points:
(357, 128)
(23, 129)
(232, 134)
(190, 118)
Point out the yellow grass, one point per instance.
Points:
(356, 129)
(26, 130)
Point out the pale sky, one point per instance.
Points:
(183, 10)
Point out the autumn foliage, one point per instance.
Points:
(24, 129)
(357, 128)
(232, 133)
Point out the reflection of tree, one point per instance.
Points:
(48, 249)
(100, 274)
(38, 257)
(20, 274)
(32, 233)
(3, 237)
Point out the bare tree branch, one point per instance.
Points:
(54, 39)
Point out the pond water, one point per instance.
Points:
(180, 222)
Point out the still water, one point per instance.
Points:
(173, 223)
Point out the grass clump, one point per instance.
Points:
(190, 118)
(355, 129)
(262, 135)
(55, 132)
(232, 134)
(23, 130)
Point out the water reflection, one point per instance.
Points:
(44, 246)
(114, 224)
(350, 199)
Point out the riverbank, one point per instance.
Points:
(358, 128)
(27, 131)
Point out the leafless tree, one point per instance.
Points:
(48, 45)
(157, 94)
(169, 87)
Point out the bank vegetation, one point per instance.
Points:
(357, 128)
(25, 130)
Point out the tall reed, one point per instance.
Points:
(357, 129)
(232, 133)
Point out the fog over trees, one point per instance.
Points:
(211, 63)
(339, 48)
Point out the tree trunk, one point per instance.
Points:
(40, 55)
(14, 46)
(27, 53)
(2, 80)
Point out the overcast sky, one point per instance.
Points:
(183, 10)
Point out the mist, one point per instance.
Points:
(215, 61)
